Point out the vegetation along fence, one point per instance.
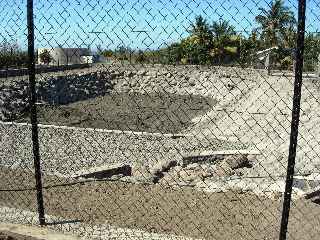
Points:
(153, 119)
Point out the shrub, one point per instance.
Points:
(286, 63)
(141, 57)
(45, 57)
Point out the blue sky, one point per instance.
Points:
(136, 24)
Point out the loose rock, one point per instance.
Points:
(237, 161)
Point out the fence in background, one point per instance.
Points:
(175, 132)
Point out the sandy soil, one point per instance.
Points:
(14, 236)
(157, 208)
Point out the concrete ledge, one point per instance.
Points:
(212, 156)
(34, 232)
(310, 184)
(169, 135)
(4, 73)
(225, 152)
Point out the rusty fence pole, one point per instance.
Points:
(33, 111)
(295, 119)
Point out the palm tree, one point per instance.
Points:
(275, 22)
(225, 40)
(222, 30)
(201, 30)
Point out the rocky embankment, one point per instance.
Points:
(54, 90)
(224, 84)
(13, 101)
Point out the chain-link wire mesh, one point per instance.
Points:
(307, 167)
(160, 119)
(16, 143)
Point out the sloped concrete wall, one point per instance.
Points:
(67, 150)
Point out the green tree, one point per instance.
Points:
(11, 55)
(45, 57)
(194, 52)
(123, 53)
(107, 53)
(312, 51)
(196, 48)
(141, 57)
(173, 54)
(225, 41)
(275, 22)
(201, 30)
(222, 30)
(249, 46)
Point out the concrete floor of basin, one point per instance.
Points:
(150, 112)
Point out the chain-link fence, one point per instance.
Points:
(161, 119)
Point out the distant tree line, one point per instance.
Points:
(11, 55)
(217, 42)
(220, 43)
(312, 51)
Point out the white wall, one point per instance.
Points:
(64, 56)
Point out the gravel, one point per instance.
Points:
(66, 150)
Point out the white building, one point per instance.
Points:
(67, 56)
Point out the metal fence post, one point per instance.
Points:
(295, 119)
(318, 66)
(33, 111)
